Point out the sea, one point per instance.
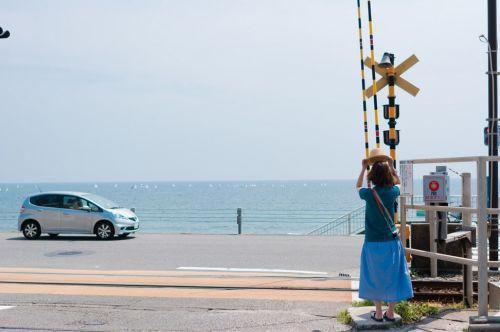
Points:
(267, 207)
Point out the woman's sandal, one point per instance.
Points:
(374, 317)
(388, 319)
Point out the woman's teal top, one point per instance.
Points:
(377, 229)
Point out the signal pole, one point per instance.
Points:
(493, 124)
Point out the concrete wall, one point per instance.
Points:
(420, 240)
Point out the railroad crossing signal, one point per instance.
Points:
(398, 71)
(391, 76)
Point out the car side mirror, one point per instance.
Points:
(132, 209)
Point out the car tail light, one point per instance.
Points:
(22, 208)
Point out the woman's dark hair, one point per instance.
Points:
(380, 174)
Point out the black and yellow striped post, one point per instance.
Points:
(374, 86)
(390, 137)
(391, 111)
(363, 84)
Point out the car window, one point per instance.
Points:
(93, 207)
(78, 203)
(53, 201)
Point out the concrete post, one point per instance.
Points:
(467, 222)
(482, 238)
(432, 240)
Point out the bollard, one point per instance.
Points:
(238, 219)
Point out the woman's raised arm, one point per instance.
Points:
(364, 165)
(394, 173)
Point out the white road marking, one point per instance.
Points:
(5, 307)
(233, 269)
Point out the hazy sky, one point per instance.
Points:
(227, 89)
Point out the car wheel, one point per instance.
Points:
(53, 235)
(124, 235)
(104, 230)
(32, 230)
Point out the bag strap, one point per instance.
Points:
(383, 210)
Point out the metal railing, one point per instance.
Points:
(348, 224)
(353, 222)
(482, 212)
(219, 220)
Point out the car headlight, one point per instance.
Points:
(120, 216)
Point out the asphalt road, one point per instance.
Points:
(80, 284)
(171, 251)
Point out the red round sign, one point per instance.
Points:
(434, 186)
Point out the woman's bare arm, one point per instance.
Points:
(394, 173)
(361, 176)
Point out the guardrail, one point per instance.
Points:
(350, 223)
(482, 212)
(353, 222)
(220, 221)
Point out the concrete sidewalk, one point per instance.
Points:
(447, 320)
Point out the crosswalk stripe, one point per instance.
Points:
(3, 307)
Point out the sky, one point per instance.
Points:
(227, 89)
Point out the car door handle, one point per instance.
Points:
(66, 214)
(40, 210)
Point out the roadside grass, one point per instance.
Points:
(344, 317)
(363, 303)
(412, 312)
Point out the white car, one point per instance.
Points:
(75, 213)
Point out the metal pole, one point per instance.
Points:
(467, 223)
(493, 115)
(482, 238)
(374, 79)
(432, 241)
(363, 84)
(238, 219)
(402, 229)
(349, 225)
(391, 79)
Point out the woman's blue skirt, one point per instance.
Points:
(384, 273)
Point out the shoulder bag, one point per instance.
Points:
(385, 214)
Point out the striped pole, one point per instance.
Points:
(363, 84)
(372, 58)
(391, 79)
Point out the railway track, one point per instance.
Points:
(440, 290)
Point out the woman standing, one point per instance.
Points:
(384, 275)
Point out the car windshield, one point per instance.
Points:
(101, 201)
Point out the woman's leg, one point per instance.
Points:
(378, 309)
(390, 310)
